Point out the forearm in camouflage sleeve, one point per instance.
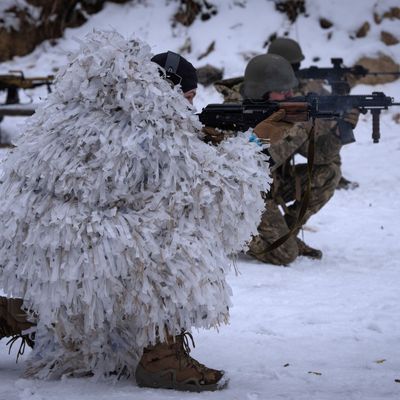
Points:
(289, 145)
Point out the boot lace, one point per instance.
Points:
(25, 340)
(185, 336)
(5, 331)
(184, 340)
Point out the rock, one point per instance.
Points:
(363, 30)
(39, 20)
(292, 8)
(325, 23)
(210, 49)
(186, 47)
(189, 10)
(383, 63)
(209, 11)
(388, 38)
(209, 74)
(377, 18)
(271, 38)
(396, 118)
(393, 13)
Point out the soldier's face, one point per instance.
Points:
(190, 95)
(279, 96)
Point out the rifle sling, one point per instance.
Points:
(305, 200)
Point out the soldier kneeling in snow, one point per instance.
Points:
(117, 220)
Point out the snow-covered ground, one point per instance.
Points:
(326, 329)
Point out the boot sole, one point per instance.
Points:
(167, 380)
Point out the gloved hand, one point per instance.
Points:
(273, 128)
(351, 117)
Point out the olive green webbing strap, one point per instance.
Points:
(307, 194)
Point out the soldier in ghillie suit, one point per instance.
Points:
(107, 216)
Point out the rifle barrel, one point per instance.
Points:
(17, 110)
(384, 73)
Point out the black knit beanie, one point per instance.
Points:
(184, 69)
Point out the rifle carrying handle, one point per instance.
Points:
(376, 134)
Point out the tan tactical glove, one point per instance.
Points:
(273, 128)
(351, 117)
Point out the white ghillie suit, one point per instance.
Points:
(116, 218)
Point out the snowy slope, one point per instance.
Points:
(326, 329)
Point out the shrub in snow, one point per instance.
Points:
(116, 218)
(11, 11)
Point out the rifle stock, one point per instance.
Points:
(296, 111)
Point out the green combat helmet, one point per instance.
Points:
(288, 49)
(267, 73)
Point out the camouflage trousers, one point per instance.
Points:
(274, 224)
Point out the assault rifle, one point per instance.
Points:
(16, 80)
(248, 114)
(336, 75)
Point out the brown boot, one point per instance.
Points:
(346, 184)
(307, 251)
(13, 321)
(169, 366)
